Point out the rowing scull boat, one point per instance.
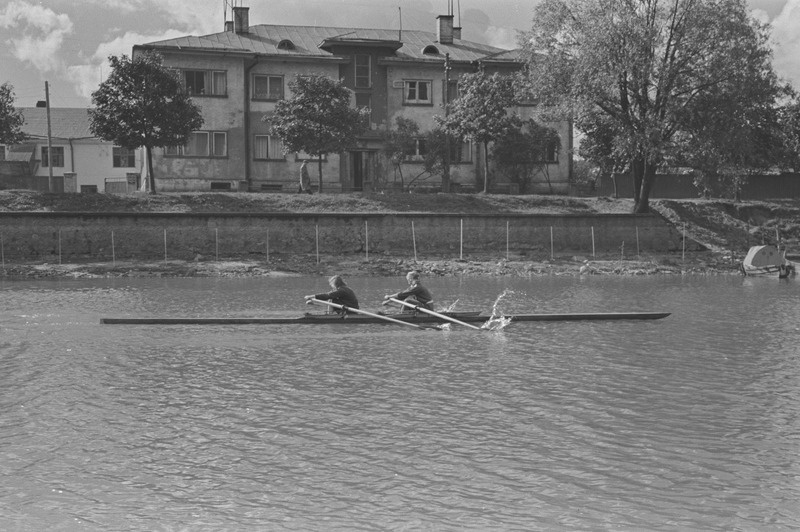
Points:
(335, 319)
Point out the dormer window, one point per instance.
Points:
(286, 44)
(430, 50)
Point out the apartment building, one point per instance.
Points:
(238, 75)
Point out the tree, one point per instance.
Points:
(599, 147)
(646, 66)
(789, 132)
(437, 154)
(726, 148)
(11, 119)
(480, 113)
(399, 142)
(317, 119)
(522, 152)
(142, 104)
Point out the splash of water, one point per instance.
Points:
(497, 321)
(449, 308)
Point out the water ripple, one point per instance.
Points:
(679, 424)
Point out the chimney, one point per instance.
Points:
(445, 33)
(228, 25)
(457, 33)
(241, 22)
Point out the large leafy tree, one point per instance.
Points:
(726, 142)
(789, 133)
(480, 113)
(317, 119)
(522, 152)
(599, 147)
(647, 67)
(11, 119)
(142, 104)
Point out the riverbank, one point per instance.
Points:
(724, 228)
(704, 263)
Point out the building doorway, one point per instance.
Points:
(362, 164)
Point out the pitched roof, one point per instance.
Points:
(65, 122)
(263, 39)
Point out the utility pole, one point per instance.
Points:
(446, 170)
(49, 141)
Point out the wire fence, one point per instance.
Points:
(420, 239)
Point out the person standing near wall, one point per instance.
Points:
(305, 179)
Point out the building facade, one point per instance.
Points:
(75, 161)
(238, 75)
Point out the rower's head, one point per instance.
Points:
(412, 277)
(336, 281)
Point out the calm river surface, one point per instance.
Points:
(687, 423)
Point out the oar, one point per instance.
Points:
(432, 313)
(365, 313)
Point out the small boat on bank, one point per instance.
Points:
(766, 260)
(407, 317)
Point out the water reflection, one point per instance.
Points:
(684, 423)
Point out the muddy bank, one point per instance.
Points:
(702, 263)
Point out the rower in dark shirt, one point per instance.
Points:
(341, 294)
(415, 294)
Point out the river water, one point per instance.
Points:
(686, 423)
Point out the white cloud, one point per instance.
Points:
(37, 33)
(760, 15)
(502, 37)
(121, 6)
(87, 77)
(198, 18)
(786, 40)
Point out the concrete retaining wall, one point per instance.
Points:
(75, 237)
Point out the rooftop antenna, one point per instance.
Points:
(400, 31)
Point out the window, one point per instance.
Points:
(267, 87)
(417, 92)
(219, 144)
(364, 101)
(551, 152)
(197, 145)
(2, 153)
(206, 82)
(460, 152)
(268, 147)
(417, 153)
(363, 64)
(58, 156)
(286, 44)
(124, 158)
(202, 144)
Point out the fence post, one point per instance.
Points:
(414, 240)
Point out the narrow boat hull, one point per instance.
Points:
(332, 319)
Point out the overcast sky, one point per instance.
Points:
(67, 42)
